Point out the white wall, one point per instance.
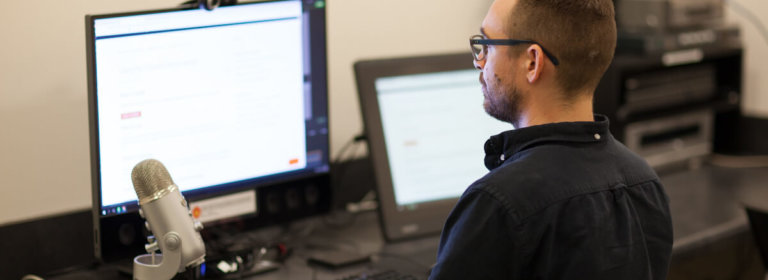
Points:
(44, 152)
(44, 149)
(755, 87)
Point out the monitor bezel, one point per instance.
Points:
(421, 219)
(121, 236)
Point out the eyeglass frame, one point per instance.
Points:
(504, 42)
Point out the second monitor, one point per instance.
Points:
(426, 128)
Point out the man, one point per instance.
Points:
(563, 199)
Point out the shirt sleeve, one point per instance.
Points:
(477, 241)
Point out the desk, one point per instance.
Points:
(363, 236)
(711, 233)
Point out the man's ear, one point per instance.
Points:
(534, 63)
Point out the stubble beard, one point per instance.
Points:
(502, 102)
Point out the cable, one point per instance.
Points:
(342, 152)
(341, 169)
(340, 156)
(342, 218)
(746, 13)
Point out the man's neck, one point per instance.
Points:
(539, 113)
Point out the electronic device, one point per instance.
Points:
(176, 232)
(673, 108)
(669, 88)
(665, 15)
(666, 140)
(426, 127)
(710, 37)
(233, 101)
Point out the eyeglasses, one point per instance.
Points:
(479, 46)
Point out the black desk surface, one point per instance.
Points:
(706, 205)
(362, 236)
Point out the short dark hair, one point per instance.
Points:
(580, 33)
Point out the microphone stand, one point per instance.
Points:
(145, 266)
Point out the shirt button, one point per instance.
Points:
(597, 136)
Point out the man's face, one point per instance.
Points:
(503, 98)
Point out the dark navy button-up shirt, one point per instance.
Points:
(561, 201)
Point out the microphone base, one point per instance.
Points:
(159, 266)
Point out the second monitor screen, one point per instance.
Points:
(434, 128)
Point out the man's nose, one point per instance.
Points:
(478, 64)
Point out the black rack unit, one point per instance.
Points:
(641, 88)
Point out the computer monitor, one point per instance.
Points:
(426, 127)
(232, 101)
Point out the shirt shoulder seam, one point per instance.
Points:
(521, 220)
(505, 205)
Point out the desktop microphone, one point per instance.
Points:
(176, 232)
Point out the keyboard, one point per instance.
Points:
(382, 275)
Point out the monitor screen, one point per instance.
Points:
(229, 100)
(426, 127)
(434, 128)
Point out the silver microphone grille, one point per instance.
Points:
(149, 178)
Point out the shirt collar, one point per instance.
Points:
(507, 144)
